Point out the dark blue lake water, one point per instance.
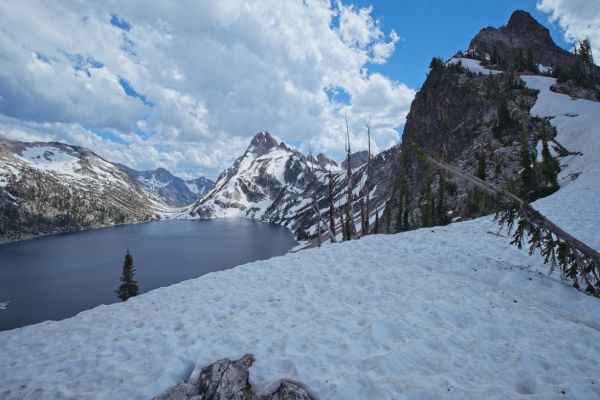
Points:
(55, 277)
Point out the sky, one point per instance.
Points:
(185, 85)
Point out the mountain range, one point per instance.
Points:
(174, 191)
(474, 111)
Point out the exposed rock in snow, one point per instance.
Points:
(228, 380)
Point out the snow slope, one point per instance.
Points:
(473, 66)
(449, 312)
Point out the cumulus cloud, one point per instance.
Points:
(577, 18)
(185, 85)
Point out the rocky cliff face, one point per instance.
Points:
(523, 44)
(357, 159)
(171, 189)
(480, 121)
(54, 187)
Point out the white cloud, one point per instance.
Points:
(211, 75)
(577, 18)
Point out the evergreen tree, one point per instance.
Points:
(480, 173)
(376, 226)
(583, 48)
(528, 177)
(129, 286)
(405, 224)
(428, 218)
(530, 63)
(437, 63)
(398, 226)
(550, 167)
(441, 208)
(504, 120)
(387, 216)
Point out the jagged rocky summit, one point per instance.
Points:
(523, 44)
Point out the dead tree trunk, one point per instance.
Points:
(368, 182)
(331, 209)
(349, 213)
(577, 260)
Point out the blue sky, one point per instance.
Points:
(441, 27)
(185, 85)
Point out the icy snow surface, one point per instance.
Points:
(449, 312)
(473, 66)
(52, 159)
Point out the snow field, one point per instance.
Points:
(450, 312)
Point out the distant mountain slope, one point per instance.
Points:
(275, 183)
(173, 190)
(54, 187)
(199, 186)
(267, 169)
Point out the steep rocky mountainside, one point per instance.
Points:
(480, 121)
(199, 186)
(54, 187)
(275, 183)
(357, 159)
(525, 45)
(267, 171)
(171, 189)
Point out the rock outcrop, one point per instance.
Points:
(228, 380)
(357, 159)
(521, 41)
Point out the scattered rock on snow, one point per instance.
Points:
(228, 380)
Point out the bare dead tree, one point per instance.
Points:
(349, 214)
(331, 209)
(368, 182)
(363, 219)
(315, 205)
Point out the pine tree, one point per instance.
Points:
(398, 226)
(387, 216)
(428, 218)
(530, 63)
(441, 207)
(583, 48)
(331, 208)
(129, 286)
(528, 177)
(504, 120)
(550, 167)
(376, 226)
(480, 173)
(405, 223)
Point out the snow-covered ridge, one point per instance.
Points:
(171, 189)
(268, 178)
